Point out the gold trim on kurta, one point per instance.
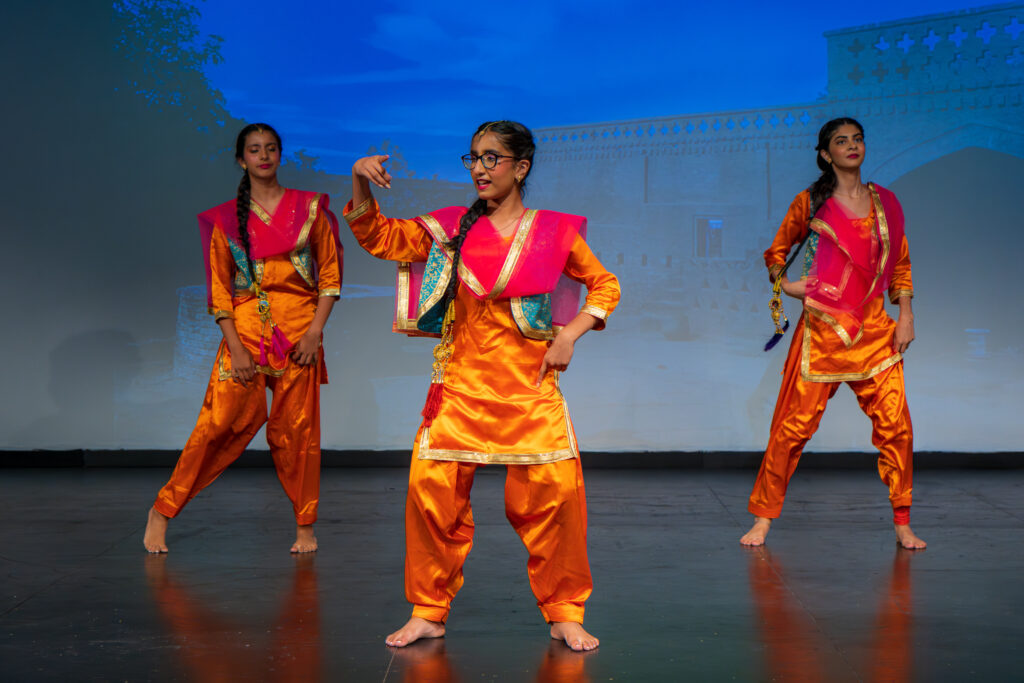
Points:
(403, 323)
(899, 294)
(331, 291)
(599, 313)
(220, 314)
(358, 212)
(805, 364)
(427, 453)
(528, 330)
(224, 374)
(569, 433)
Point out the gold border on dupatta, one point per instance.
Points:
(436, 231)
(300, 244)
(358, 212)
(807, 375)
(260, 212)
(469, 277)
(402, 321)
(528, 330)
(836, 327)
(883, 236)
(514, 251)
(427, 453)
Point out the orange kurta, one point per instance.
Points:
(493, 413)
(231, 413)
(818, 362)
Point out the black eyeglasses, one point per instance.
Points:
(488, 159)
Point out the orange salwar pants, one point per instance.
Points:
(546, 505)
(797, 414)
(230, 417)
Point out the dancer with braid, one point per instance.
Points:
(499, 284)
(271, 284)
(856, 250)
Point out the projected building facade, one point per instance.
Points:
(682, 206)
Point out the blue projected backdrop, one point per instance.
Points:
(682, 134)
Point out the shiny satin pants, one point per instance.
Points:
(230, 417)
(798, 412)
(546, 505)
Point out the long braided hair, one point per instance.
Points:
(822, 188)
(245, 187)
(519, 141)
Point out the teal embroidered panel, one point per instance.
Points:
(433, 281)
(809, 250)
(537, 311)
(242, 279)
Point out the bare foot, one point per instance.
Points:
(758, 532)
(573, 635)
(413, 630)
(155, 538)
(907, 538)
(305, 541)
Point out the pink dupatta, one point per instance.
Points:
(269, 235)
(854, 261)
(496, 267)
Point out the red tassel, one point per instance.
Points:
(280, 343)
(433, 405)
(263, 353)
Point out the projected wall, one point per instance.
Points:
(127, 139)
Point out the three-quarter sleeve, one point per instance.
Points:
(902, 284)
(391, 239)
(222, 276)
(793, 229)
(602, 286)
(329, 255)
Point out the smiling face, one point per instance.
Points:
(261, 155)
(495, 184)
(845, 148)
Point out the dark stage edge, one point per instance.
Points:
(701, 460)
(676, 598)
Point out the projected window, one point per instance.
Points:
(707, 237)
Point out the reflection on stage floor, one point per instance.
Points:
(831, 597)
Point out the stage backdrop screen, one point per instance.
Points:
(681, 130)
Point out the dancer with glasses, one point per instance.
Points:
(856, 251)
(273, 273)
(499, 285)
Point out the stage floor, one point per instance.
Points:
(831, 597)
